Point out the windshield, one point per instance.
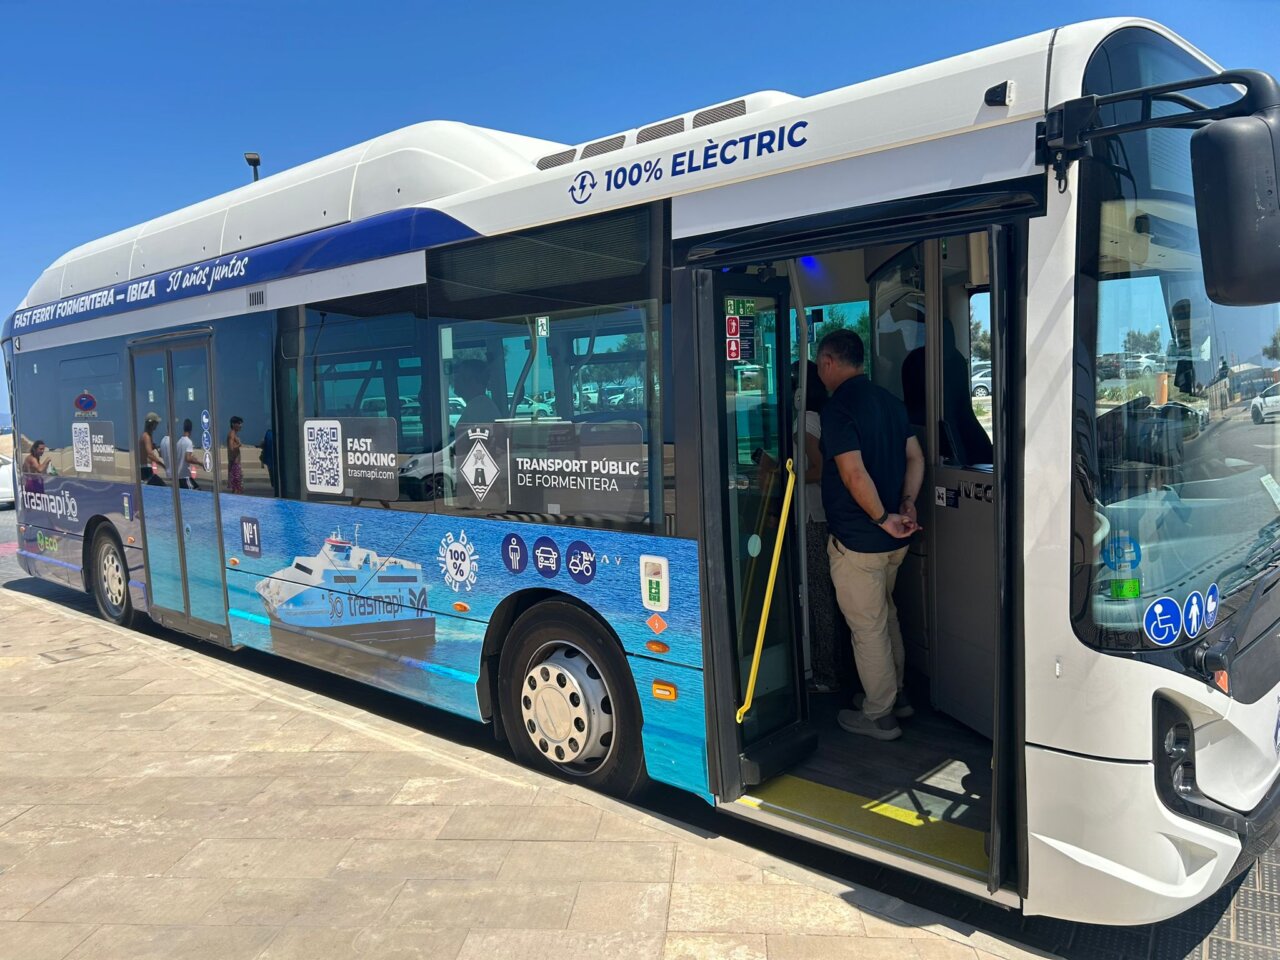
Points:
(1177, 438)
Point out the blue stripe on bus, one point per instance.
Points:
(44, 558)
(373, 238)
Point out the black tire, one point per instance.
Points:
(567, 641)
(1256, 413)
(109, 578)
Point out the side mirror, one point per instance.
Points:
(1235, 165)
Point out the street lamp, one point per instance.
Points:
(253, 160)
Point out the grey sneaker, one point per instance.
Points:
(883, 728)
(901, 706)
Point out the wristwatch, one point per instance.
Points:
(883, 517)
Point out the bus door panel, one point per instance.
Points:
(179, 496)
(965, 498)
(751, 351)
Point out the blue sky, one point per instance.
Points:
(112, 113)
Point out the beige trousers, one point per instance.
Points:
(864, 589)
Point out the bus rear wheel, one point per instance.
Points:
(110, 573)
(569, 705)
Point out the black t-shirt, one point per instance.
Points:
(861, 416)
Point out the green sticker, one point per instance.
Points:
(1126, 589)
(655, 591)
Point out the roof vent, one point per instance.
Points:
(557, 159)
(604, 146)
(257, 298)
(660, 130)
(725, 111)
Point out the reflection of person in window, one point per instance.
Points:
(267, 457)
(184, 465)
(469, 378)
(152, 463)
(235, 472)
(35, 465)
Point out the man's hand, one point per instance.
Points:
(897, 525)
(908, 509)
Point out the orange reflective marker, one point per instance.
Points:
(1222, 680)
(233, 561)
(462, 607)
(663, 690)
(656, 646)
(130, 539)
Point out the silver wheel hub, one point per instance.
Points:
(566, 708)
(113, 579)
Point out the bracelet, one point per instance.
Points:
(883, 517)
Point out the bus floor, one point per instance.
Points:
(926, 795)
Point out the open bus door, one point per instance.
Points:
(182, 531)
(745, 343)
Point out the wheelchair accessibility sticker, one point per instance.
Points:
(1162, 623)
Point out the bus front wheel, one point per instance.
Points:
(568, 702)
(110, 572)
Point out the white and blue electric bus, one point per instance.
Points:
(502, 425)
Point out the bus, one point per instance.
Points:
(507, 426)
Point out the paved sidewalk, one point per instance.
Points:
(157, 802)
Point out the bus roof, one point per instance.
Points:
(491, 182)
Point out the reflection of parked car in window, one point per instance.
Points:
(1110, 366)
(6, 482)
(1143, 364)
(424, 475)
(1193, 419)
(1266, 404)
(980, 383)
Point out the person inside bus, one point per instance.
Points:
(825, 661)
(469, 383)
(235, 472)
(153, 468)
(872, 461)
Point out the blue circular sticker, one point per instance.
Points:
(1162, 623)
(1121, 550)
(515, 555)
(546, 557)
(86, 402)
(1211, 598)
(581, 561)
(1193, 614)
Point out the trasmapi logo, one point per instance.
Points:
(61, 505)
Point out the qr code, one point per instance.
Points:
(323, 455)
(82, 447)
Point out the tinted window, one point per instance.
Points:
(242, 376)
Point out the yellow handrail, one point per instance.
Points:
(768, 593)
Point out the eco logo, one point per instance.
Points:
(458, 562)
(479, 468)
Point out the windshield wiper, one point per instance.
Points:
(1264, 551)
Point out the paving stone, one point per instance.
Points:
(261, 858)
(522, 823)
(338, 822)
(530, 904)
(621, 906)
(464, 791)
(165, 764)
(846, 948)
(41, 941)
(1262, 929)
(697, 864)
(148, 900)
(759, 908)
(592, 860)
(369, 943)
(614, 828)
(1219, 949)
(296, 763)
(222, 702)
(560, 945)
(355, 902)
(323, 791)
(724, 946)
(939, 949)
(425, 859)
(385, 763)
(101, 857)
(64, 763)
(119, 942)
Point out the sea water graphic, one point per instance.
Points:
(468, 571)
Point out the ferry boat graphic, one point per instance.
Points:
(349, 595)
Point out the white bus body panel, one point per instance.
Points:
(1102, 848)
